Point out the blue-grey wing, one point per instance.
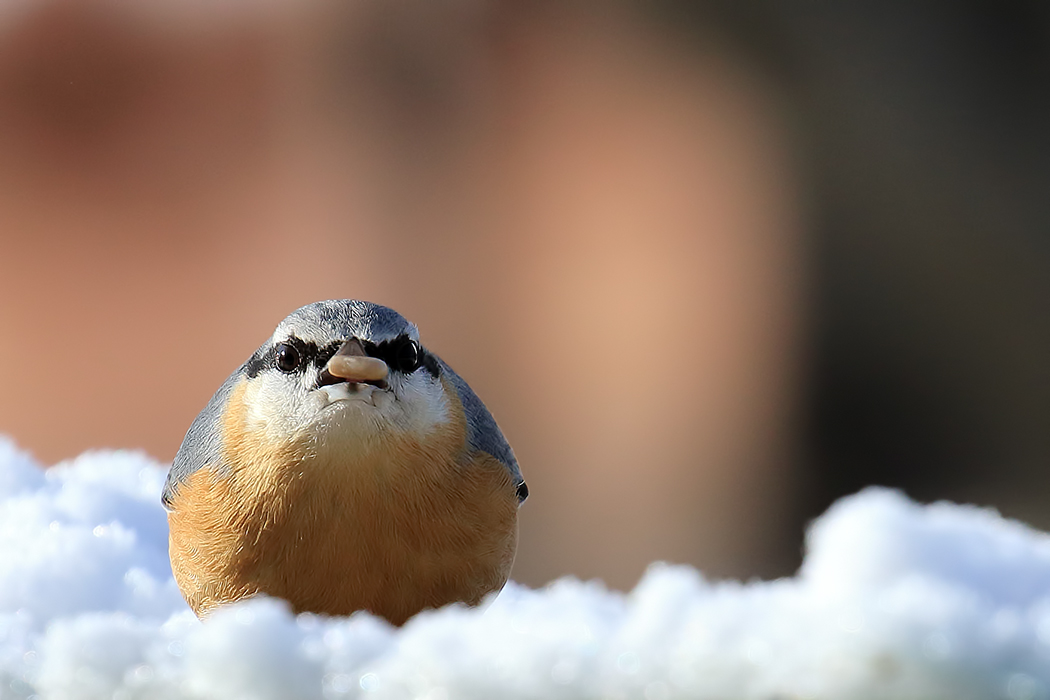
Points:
(482, 431)
(202, 445)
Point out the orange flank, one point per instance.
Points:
(403, 525)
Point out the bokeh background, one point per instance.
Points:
(710, 264)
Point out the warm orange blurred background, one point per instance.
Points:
(663, 241)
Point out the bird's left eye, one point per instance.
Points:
(407, 356)
(287, 357)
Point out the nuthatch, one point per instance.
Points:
(343, 467)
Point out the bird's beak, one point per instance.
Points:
(351, 364)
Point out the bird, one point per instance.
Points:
(343, 467)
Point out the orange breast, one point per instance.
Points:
(416, 523)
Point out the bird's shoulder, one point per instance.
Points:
(483, 433)
(202, 446)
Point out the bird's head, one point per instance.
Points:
(343, 365)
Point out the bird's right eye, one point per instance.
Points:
(287, 357)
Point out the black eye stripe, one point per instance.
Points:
(260, 361)
(431, 365)
(326, 353)
(393, 352)
(268, 358)
(402, 354)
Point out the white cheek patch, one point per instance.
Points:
(277, 407)
(286, 408)
(421, 403)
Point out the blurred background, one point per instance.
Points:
(711, 264)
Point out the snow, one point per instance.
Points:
(894, 600)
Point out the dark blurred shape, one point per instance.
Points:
(932, 340)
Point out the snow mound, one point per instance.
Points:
(894, 600)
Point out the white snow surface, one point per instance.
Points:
(894, 600)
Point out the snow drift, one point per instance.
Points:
(894, 600)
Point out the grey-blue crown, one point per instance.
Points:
(344, 318)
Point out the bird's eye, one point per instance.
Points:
(287, 357)
(407, 356)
